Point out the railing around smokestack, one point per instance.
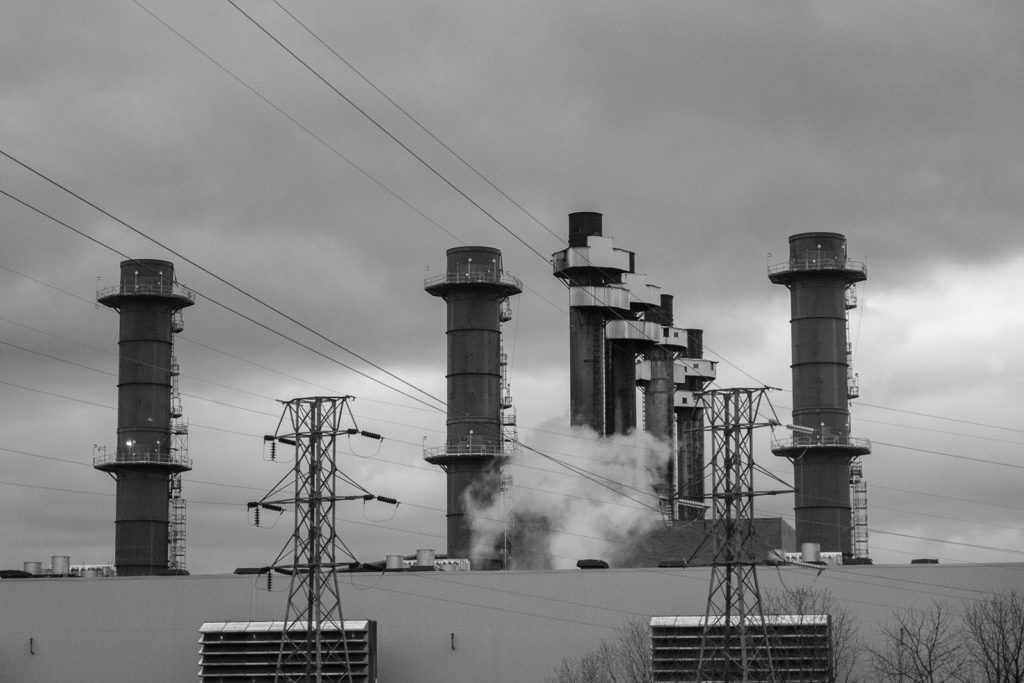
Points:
(816, 440)
(148, 289)
(822, 262)
(133, 455)
(474, 274)
(465, 451)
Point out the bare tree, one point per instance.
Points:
(583, 670)
(845, 645)
(995, 636)
(626, 660)
(922, 646)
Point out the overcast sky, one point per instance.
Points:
(705, 132)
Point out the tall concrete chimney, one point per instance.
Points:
(149, 456)
(474, 287)
(818, 275)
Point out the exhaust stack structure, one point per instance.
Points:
(602, 375)
(621, 336)
(476, 290)
(151, 450)
(819, 277)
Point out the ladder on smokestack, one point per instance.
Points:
(176, 527)
(858, 487)
(509, 447)
(178, 449)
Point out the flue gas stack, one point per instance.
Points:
(151, 453)
(819, 275)
(476, 290)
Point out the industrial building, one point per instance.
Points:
(800, 648)
(507, 626)
(248, 651)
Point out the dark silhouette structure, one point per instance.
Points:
(622, 336)
(474, 287)
(150, 453)
(818, 275)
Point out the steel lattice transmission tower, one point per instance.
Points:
(735, 644)
(313, 426)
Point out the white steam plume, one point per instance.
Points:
(560, 516)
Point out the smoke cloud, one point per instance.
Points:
(571, 495)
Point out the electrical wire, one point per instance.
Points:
(409, 116)
(220, 279)
(40, 282)
(298, 124)
(218, 303)
(387, 132)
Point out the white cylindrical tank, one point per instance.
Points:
(394, 562)
(425, 557)
(33, 568)
(60, 565)
(810, 552)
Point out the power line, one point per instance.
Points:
(934, 417)
(415, 121)
(55, 488)
(951, 455)
(306, 130)
(56, 395)
(947, 419)
(388, 133)
(330, 147)
(40, 282)
(222, 280)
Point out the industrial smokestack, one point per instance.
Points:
(656, 377)
(602, 376)
(474, 287)
(583, 224)
(818, 275)
(616, 316)
(693, 373)
(149, 456)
